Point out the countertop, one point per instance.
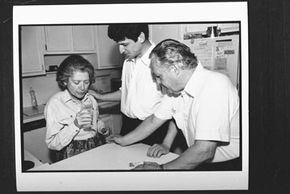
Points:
(107, 157)
(30, 114)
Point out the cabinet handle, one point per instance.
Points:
(45, 47)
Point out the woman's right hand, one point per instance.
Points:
(83, 119)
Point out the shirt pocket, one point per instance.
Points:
(66, 120)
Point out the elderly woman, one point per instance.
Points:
(71, 114)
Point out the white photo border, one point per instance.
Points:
(127, 13)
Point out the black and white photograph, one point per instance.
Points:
(131, 101)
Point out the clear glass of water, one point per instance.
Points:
(88, 108)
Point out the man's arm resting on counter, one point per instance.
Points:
(196, 154)
(157, 150)
(148, 126)
(113, 96)
(171, 134)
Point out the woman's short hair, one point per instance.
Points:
(71, 64)
(171, 52)
(118, 32)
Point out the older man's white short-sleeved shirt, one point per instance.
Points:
(140, 96)
(207, 109)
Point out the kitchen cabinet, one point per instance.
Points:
(107, 49)
(34, 142)
(112, 121)
(102, 84)
(32, 43)
(108, 121)
(117, 123)
(69, 39)
(83, 39)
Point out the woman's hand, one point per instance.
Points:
(157, 150)
(83, 119)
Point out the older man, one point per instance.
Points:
(204, 104)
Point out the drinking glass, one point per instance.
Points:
(88, 108)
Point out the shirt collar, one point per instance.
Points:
(145, 58)
(67, 97)
(194, 85)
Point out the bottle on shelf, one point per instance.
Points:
(33, 98)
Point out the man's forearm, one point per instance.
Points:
(198, 153)
(171, 134)
(113, 96)
(147, 127)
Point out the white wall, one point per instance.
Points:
(44, 87)
(201, 28)
(159, 32)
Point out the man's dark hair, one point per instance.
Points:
(118, 32)
(71, 64)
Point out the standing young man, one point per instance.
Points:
(138, 94)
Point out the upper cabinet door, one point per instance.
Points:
(70, 39)
(32, 44)
(83, 38)
(107, 49)
(58, 38)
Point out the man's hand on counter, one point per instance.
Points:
(118, 139)
(157, 150)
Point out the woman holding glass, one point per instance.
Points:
(72, 114)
